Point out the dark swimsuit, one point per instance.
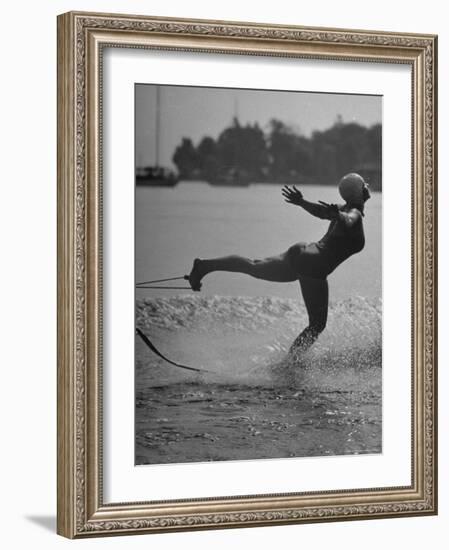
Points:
(319, 259)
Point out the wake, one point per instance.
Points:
(245, 341)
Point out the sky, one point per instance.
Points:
(196, 112)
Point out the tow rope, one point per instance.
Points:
(146, 340)
(151, 284)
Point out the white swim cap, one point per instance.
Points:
(351, 188)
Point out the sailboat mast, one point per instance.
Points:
(158, 122)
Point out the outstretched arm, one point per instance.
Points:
(321, 210)
(294, 196)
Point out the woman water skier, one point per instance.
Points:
(310, 263)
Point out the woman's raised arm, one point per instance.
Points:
(294, 196)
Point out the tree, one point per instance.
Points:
(186, 159)
(208, 161)
(282, 154)
(290, 153)
(243, 148)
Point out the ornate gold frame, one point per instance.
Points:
(81, 37)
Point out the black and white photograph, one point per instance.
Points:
(224, 237)
(258, 274)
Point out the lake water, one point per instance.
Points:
(253, 404)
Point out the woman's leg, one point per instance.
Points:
(316, 298)
(276, 268)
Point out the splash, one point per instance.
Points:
(245, 341)
(257, 404)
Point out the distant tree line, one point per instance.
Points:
(283, 155)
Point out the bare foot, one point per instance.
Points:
(196, 275)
